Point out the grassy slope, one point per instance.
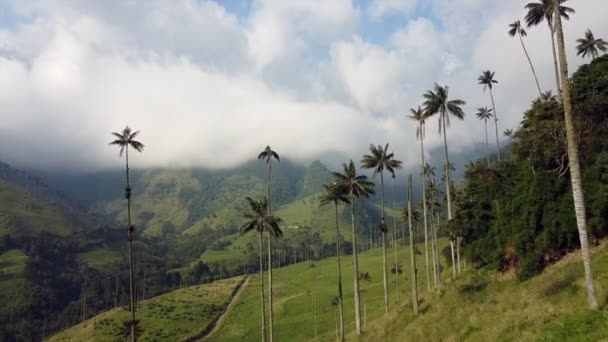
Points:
(169, 317)
(12, 262)
(23, 213)
(293, 303)
(481, 306)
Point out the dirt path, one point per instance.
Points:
(216, 324)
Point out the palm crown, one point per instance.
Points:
(484, 113)
(268, 154)
(380, 160)
(406, 216)
(351, 184)
(437, 102)
(127, 138)
(419, 115)
(544, 10)
(487, 79)
(333, 194)
(517, 29)
(259, 220)
(590, 46)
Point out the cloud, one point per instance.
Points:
(380, 8)
(208, 87)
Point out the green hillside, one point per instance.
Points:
(170, 317)
(481, 306)
(23, 213)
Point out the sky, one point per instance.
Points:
(211, 83)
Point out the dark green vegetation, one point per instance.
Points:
(519, 213)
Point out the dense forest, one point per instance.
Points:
(518, 213)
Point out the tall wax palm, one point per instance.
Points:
(268, 155)
(396, 260)
(354, 186)
(260, 221)
(336, 195)
(419, 115)
(575, 167)
(434, 208)
(380, 160)
(590, 46)
(516, 29)
(409, 217)
(437, 102)
(484, 114)
(487, 80)
(124, 140)
(544, 10)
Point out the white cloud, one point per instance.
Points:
(208, 87)
(380, 8)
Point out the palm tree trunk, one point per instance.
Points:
(355, 267)
(575, 168)
(395, 241)
(262, 287)
(540, 93)
(487, 144)
(130, 232)
(453, 259)
(438, 264)
(383, 224)
(447, 168)
(495, 124)
(412, 250)
(557, 80)
(340, 305)
(433, 249)
(424, 213)
(270, 310)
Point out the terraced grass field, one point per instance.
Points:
(170, 317)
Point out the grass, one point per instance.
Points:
(170, 317)
(293, 302)
(479, 306)
(22, 213)
(103, 259)
(12, 262)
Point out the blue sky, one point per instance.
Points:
(320, 77)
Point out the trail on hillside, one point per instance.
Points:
(215, 325)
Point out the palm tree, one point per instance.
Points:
(267, 155)
(543, 10)
(395, 233)
(484, 114)
(518, 30)
(508, 133)
(420, 116)
(260, 221)
(364, 276)
(575, 167)
(354, 186)
(125, 139)
(435, 207)
(409, 217)
(487, 80)
(336, 195)
(437, 102)
(379, 160)
(590, 46)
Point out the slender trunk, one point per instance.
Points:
(314, 300)
(447, 168)
(540, 93)
(575, 168)
(270, 309)
(262, 286)
(340, 305)
(424, 212)
(495, 125)
(453, 259)
(384, 230)
(130, 231)
(412, 248)
(433, 249)
(557, 81)
(395, 241)
(438, 264)
(116, 293)
(487, 144)
(355, 267)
